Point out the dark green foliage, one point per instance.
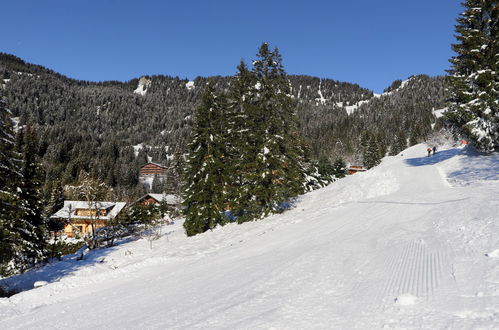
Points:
(474, 82)
(10, 178)
(22, 227)
(324, 166)
(372, 150)
(206, 171)
(31, 217)
(142, 214)
(246, 155)
(399, 144)
(339, 168)
(175, 174)
(157, 186)
(93, 126)
(273, 168)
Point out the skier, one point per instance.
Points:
(434, 149)
(429, 151)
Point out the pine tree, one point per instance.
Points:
(157, 185)
(372, 154)
(31, 218)
(474, 79)
(205, 175)
(339, 168)
(10, 179)
(54, 204)
(175, 174)
(399, 144)
(279, 173)
(244, 124)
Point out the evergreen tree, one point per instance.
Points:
(278, 173)
(31, 219)
(205, 175)
(474, 80)
(244, 124)
(157, 185)
(372, 154)
(339, 168)
(399, 144)
(325, 168)
(10, 178)
(54, 204)
(175, 174)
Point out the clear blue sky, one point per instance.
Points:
(369, 42)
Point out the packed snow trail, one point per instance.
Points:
(401, 246)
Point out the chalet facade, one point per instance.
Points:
(152, 169)
(79, 216)
(356, 168)
(156, 199)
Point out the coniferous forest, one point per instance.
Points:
(237, 148)
(108, 130)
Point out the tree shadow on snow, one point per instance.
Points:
(56, 270)
(438, 157)
(477, 169)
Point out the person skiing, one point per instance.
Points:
(434, 149)
(429, 151)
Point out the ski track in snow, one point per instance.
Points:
(415, 230)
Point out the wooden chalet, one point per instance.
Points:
(151, 169)
(356, 168)
(78, 216)
(156, 199)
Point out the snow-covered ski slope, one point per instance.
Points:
(413, 243)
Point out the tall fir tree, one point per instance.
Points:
(339, 168)
(372, 152)
(244, 125)
(10, 179)
(175, 174)
(31, 218)
(474, 78)
(399, 144)
(205, 197)
(280, 172)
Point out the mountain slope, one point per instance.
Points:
(93, 126)
(400, 246)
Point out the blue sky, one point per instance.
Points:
(368, 42)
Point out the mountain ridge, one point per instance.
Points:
(93, 126)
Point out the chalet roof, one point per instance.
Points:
(357, 167)
(70, 208)
(163, 166)
(170, 199)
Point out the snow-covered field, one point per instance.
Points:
(413, 243)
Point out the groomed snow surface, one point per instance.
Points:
(412, 243)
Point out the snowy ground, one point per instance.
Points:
(413, 243)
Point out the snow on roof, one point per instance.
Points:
(70, 208)
(170, 199)
(163, 166)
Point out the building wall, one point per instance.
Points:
(149, 200)
(89, 213)
(85, 225)
(152, 169)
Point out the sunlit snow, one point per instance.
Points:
(410, 244)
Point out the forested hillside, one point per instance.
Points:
(109, 129)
